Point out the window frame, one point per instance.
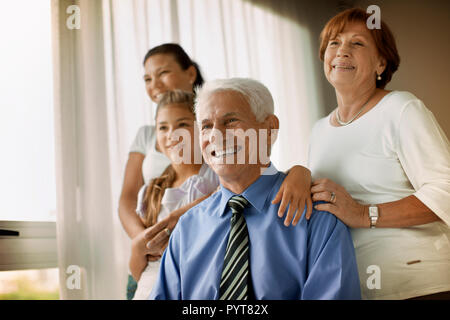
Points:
(35, 246)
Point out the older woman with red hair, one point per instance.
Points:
(381, 163)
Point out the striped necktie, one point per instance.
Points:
(235, 280)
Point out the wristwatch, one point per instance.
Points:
(373, 215)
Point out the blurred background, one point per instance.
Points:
(72, 98)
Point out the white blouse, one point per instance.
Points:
(395, 150)
(196, 186)
(155, 162)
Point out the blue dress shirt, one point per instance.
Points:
(313, 260)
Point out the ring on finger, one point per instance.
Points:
(333, 197)
(167, 230)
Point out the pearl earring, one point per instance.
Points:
(379, 77)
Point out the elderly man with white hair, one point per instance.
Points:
(232, 246)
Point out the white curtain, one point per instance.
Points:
(101, 102)
(90, 255)
(228, 39)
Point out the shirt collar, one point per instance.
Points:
(256, 193)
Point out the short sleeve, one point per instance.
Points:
(424, 152)
(141, 207)
(202, 184)
(143, 139)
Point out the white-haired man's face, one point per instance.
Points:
(234, 144)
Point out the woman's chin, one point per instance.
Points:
(341, 81)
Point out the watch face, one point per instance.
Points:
(373, 211)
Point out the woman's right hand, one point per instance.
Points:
(159, 233)
(140, 254)
(295, 192)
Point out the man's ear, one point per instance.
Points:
(272, 124)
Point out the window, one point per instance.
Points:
(26, 119)
(27, 165)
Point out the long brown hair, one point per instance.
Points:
(157, 186)
(154, 194)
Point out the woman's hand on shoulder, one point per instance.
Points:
(340, 203)
(158, 235)
(140, 254)
(139, 244)
(295, 192)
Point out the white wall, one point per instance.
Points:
(422, 32)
